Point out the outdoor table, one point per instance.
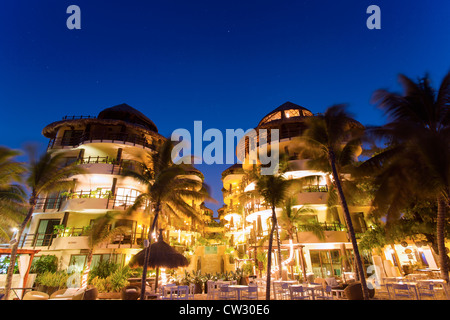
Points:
(238, 288)
(393, 279)
(410, 284)
(312, 288)
(339, 293)
(309, 287)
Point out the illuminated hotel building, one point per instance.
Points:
(327, 253)
(118, 138)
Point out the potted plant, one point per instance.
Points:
(197, 280)
(111, 286)
(50, 282)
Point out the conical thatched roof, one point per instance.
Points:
(161, 255)
(122, 115)
(128, 114)
(279, 115)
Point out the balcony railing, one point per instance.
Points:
(316, 188)
(325, 226)
(118, 167)
(112, 201)
(124, 138)
(33, 240)
(78, 117)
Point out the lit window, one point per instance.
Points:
(292, 113)
(272, 117)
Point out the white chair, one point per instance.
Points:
(285, 293)
(261, 283)
(251, 293)
(382, 290)
(225, 293)
(35, 295)
(182, 292)
(426, 290)
(298, 293)
(401, 291)
(277, 290)
(326, 294)
(167, 292)
(211, 290)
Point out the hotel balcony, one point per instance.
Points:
(106, 165)
(104, 137)
(85, 201)
(76, 238)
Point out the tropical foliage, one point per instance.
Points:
(45, 174)
(416, 163)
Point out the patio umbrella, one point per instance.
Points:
(161, 255)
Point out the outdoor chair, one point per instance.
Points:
(382, 290)
(285, 293)
(212, 290)
(277, 290)
(167, 292)
(401, 291)
(91, 293)
(321, 281)
(131, 292)
(35, 295)
(251, 293)
(354, 291)
(326, 294)
(426, 290)
(65, 294)
(225, 293)
(298, 293)
(182, 293)
(332, 282)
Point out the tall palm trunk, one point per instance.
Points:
(280, 266)
(440, 232)
(15, 247)
(348, 220)
(269, 254)
(147, 252)
(84, 278)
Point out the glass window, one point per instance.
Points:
(272, 117)
(125, 196)
(77, 262)
(71, 137)
(44, 232)
(326, 263)
(292, 113)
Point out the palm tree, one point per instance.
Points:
(168, 186)
(99, 231)
(417, 160)
(12, 195)
(291, 218)
(45, 174)
(332, 142)
(273, 189)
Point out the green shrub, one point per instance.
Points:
(103, 269)
(114, 282)
(53, 279)
(47, 263)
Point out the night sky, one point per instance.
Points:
(226, 63)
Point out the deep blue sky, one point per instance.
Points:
(227, 63)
